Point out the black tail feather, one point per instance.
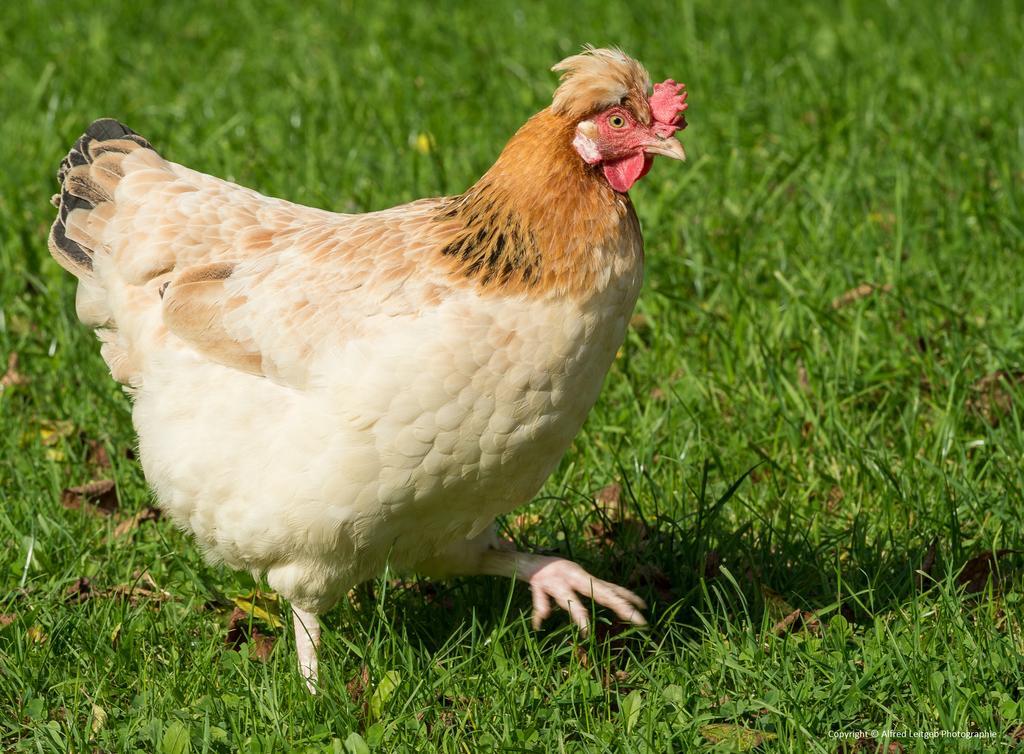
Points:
(72, 255)
(103, 129)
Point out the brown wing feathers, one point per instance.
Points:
(194, 306)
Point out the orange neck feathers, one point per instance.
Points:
(537, 221)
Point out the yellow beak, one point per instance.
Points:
(670, 147)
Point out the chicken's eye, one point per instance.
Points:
(617, 121)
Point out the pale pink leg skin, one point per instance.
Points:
(567, 584)
(307, 639)
(556, 579)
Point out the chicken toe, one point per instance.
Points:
(570, 586)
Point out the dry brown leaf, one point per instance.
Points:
(599, 533)
(712, 565)
(142, 589)
(835, 497)
(99, 497)
(610, 678)
(98, 720)
(856, 294)
(775, 604)
(796, 621)
(976, 572)
(609, 499)
(149, 513)
(241, 630)
(760, 474)
(786, 624)
(80, 591)
(927, 564)
(236, 628)
(448, 718)
(358, 685)
(12, 376)
(609, 533)
(261, 645)
(613, 523)
(98, 455)
(7, 619)
(582, 657)
(806, 429)
(992, 395)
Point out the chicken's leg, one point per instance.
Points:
(558, 579)
(307, 639)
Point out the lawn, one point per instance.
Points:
(807, 456)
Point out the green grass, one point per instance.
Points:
(832, 144)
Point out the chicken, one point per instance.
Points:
(317, 395)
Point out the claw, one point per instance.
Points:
(568, 584)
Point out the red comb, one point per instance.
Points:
(667, 106)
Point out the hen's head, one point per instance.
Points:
(621, 124)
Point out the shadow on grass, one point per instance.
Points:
(687, 569)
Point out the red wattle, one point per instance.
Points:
(648, 161)
(623, 173)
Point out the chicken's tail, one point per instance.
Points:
(88, 177)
